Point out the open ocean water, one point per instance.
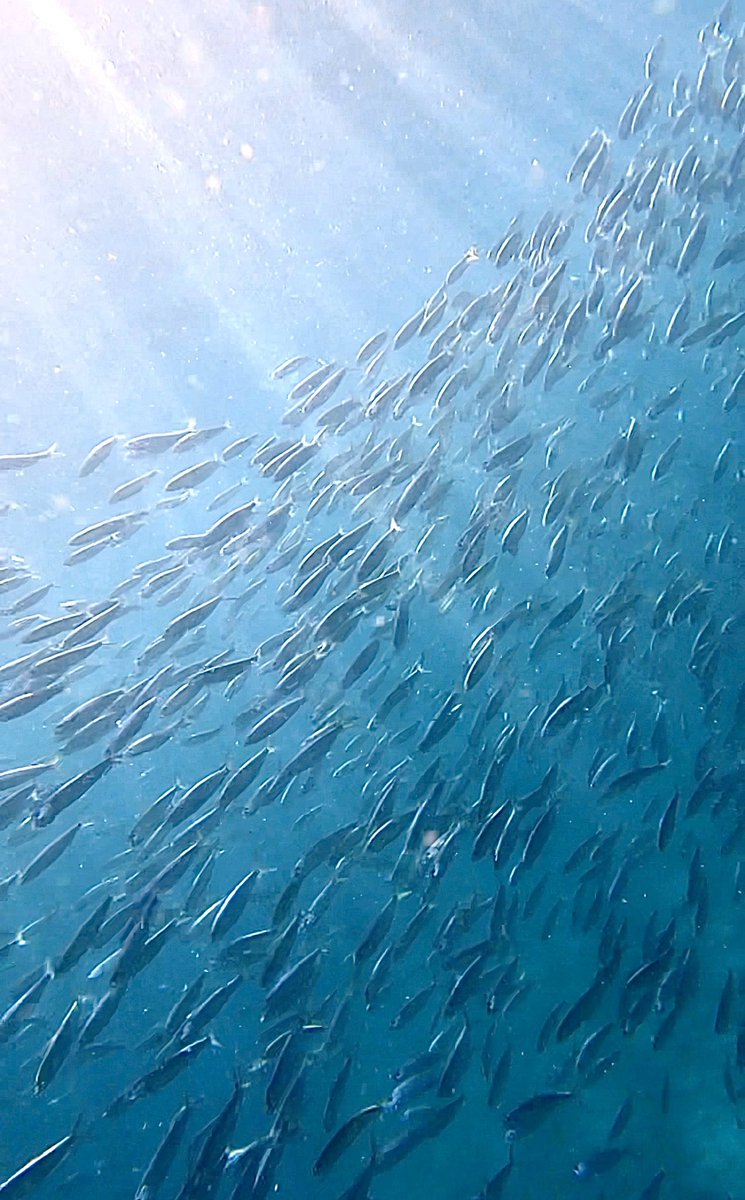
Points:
(372, 705)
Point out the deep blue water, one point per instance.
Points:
(191, 198)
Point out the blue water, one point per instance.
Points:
(191, 199)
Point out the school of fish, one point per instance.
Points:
(384, 830)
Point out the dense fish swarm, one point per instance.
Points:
(448, 897)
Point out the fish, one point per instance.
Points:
(515, 532)
(19, 462)
(528, 1116)
(57, 1049)
(230, 908)
(413, 705)
(344, 1137)
(160, 1076)
(28, 1177)
(599, 1162)
(49, 855)
(97, 455)
(160, 1164)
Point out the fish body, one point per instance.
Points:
(531, 1114)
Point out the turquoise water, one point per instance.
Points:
(454, 636)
